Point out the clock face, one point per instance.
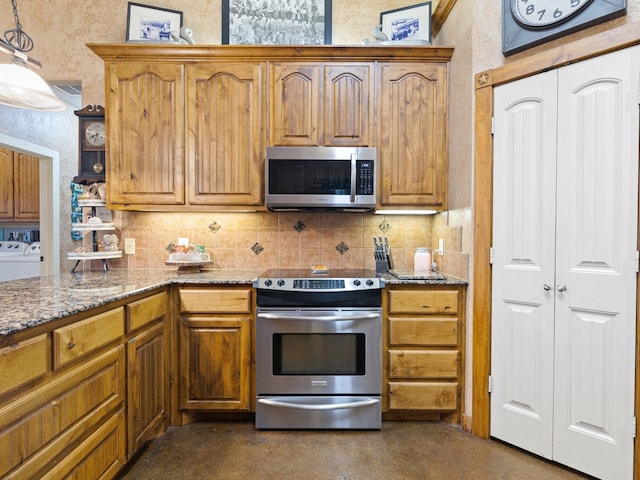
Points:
(95, 134)
(543, 13)
(527, 23)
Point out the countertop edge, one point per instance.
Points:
(63, 295)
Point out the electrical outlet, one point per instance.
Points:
(130, 246)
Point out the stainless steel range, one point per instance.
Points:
(319, 350)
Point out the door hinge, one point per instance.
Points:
(633, 426)
(637, 261)
(493, 124)
(490, 255)
(490, 384)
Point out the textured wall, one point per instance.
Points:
(60, 30)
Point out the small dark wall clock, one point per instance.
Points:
(527, 23)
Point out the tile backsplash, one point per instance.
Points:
(264, 240)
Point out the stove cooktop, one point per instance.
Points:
(338, 280)
(308, 273)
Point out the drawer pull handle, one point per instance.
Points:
(70, 345)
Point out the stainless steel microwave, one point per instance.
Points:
(321, 178)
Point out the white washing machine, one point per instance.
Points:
(19, 260)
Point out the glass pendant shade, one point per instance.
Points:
(23, 88)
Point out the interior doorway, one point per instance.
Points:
(49, 199)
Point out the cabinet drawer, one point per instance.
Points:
(23, 362)
(423, 301)
(77, 339)
(101, 455)
(423, 396)
(146, 310)
(423, 331)
(37, 428)
(423, 364)
(215, 301)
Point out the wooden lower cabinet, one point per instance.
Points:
(215, 344)
(79, 400)
(147, 369)
(424, 328)
(40, 425)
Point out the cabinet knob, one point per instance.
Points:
(562, 288)
(546, 287)
(70, 345)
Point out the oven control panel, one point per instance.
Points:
(320, 284)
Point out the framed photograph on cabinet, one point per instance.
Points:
(151, 24)
(408, 23)
(276, 22)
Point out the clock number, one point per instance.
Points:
(545, 13)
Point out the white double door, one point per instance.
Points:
(564, 264)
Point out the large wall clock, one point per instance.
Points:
(526, 23)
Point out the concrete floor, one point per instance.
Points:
(402, 450)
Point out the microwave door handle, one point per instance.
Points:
(321, 318)
(353, 177)
(314, 406)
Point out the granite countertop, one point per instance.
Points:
(34, 301)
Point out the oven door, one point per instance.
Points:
(319, 368)
(319, 351)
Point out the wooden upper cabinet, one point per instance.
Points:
(348, 106)
(412, 134)
(145, 115)
(188, 125)
(6, 184)
(19, 186)
(321, 104)
(26, 179)
(225, 133)
(295, 104)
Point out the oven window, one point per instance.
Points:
(319, 354)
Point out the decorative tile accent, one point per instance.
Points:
(299, 226)
(257, 248)
(342, 247)
(214, 227)
(384, 226)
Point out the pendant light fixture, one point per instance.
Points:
(20, 86)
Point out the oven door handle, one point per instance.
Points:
(313, 406)
(321, 318)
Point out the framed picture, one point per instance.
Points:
(408, 23)
(151, 24)
(276, 22)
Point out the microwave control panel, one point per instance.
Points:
(365, 177)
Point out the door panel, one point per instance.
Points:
(596, 315)
(564, 301)
(523, 246)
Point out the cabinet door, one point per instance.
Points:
(26, 180)
(6, 184)
(215, 363)
(145, 110)
(296, 116)
(147, 399)
(411, 134)
(225, 134)
(348, 105)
